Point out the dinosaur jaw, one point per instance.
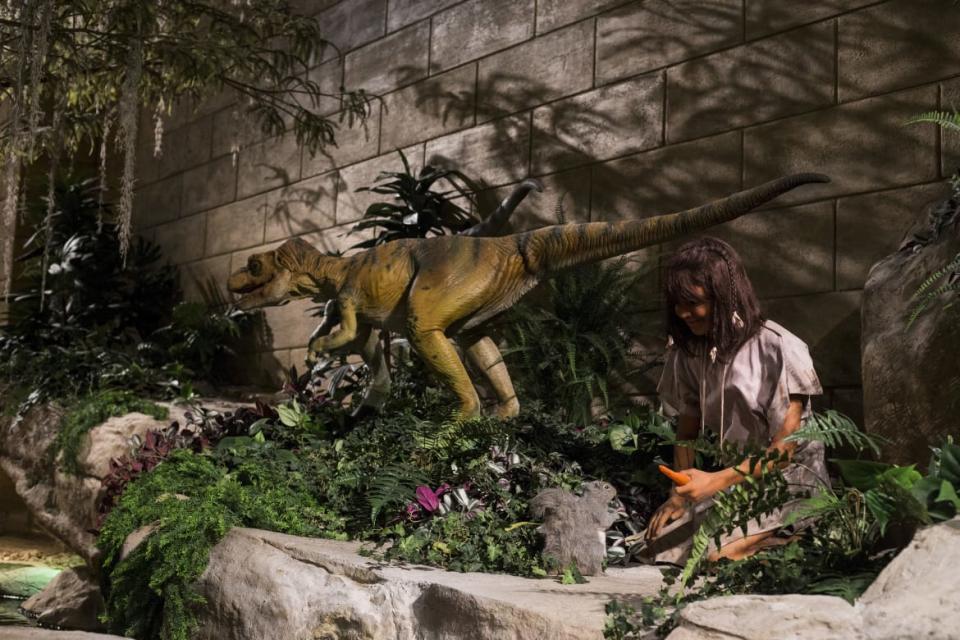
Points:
(257, 293)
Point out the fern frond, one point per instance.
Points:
(944, 119)
(393, 486)
(735, 508)
(835, 429)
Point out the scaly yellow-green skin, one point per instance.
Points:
(433, 289)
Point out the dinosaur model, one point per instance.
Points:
(436, 288)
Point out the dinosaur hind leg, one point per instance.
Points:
(440, 355)
(378, 390)
(485, 356)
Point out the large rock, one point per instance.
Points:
(64, 504)
(915, 596)
(270, 586)
(911, 376)
(72, 600)
(786, 617)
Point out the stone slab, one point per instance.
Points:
(611, 121)
(477, 28)
(872, 226)
(351, 24)
(553, 14)
(329, 77)
(649, 35)
(355, 142)
(666, 180)
(433, 107)
(309, 205)
(541, 70)
(209, 185)
(863, 146)
(400, 13)
(182, 240)
(768, 16)
(830, 325)
(235, 226)
(399, 59)
(786, 251)
(206, 280)
(267, 165)
(496, 153)
(157, 203)
(775, 77)
(901, 43)
(750, 617)
(915, 596)
(323, 586)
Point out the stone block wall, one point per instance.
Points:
(623, 109)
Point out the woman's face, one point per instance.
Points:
(699, 316)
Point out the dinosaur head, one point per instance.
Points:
(273, 277)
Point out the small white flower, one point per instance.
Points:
(713, 354)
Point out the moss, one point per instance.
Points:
(150, 593)
(93, 409)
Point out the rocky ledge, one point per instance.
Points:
(273, 586)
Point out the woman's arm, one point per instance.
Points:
(705, 484)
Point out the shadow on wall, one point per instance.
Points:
(695, 132)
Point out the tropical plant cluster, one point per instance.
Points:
(82, 321)
(415, 485)
(860, 523)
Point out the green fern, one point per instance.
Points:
(944, 119)
(835, 430)
(394, 486)
(927, 294)
(735, 508)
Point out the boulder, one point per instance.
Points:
(911, 379)
(916, 595)
(786, 617)
(65, 505)
(271, 586)
(72, 600)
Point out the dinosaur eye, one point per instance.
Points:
(254, 267)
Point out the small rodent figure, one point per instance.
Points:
(574, 527)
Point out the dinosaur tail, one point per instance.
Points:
(493, 224)
(560, 246)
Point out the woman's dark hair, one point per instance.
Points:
(714, 265)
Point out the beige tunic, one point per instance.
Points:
(744, 401)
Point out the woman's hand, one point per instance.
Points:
(703, 484)
(673, 508)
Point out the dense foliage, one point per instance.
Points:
(82, 321)
(78, 73)
(451, 494)
(861, 522)
(415, 209)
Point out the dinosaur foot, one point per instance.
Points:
(507, 409)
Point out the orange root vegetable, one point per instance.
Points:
(679, 479)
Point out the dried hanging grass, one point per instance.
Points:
(129, 112)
